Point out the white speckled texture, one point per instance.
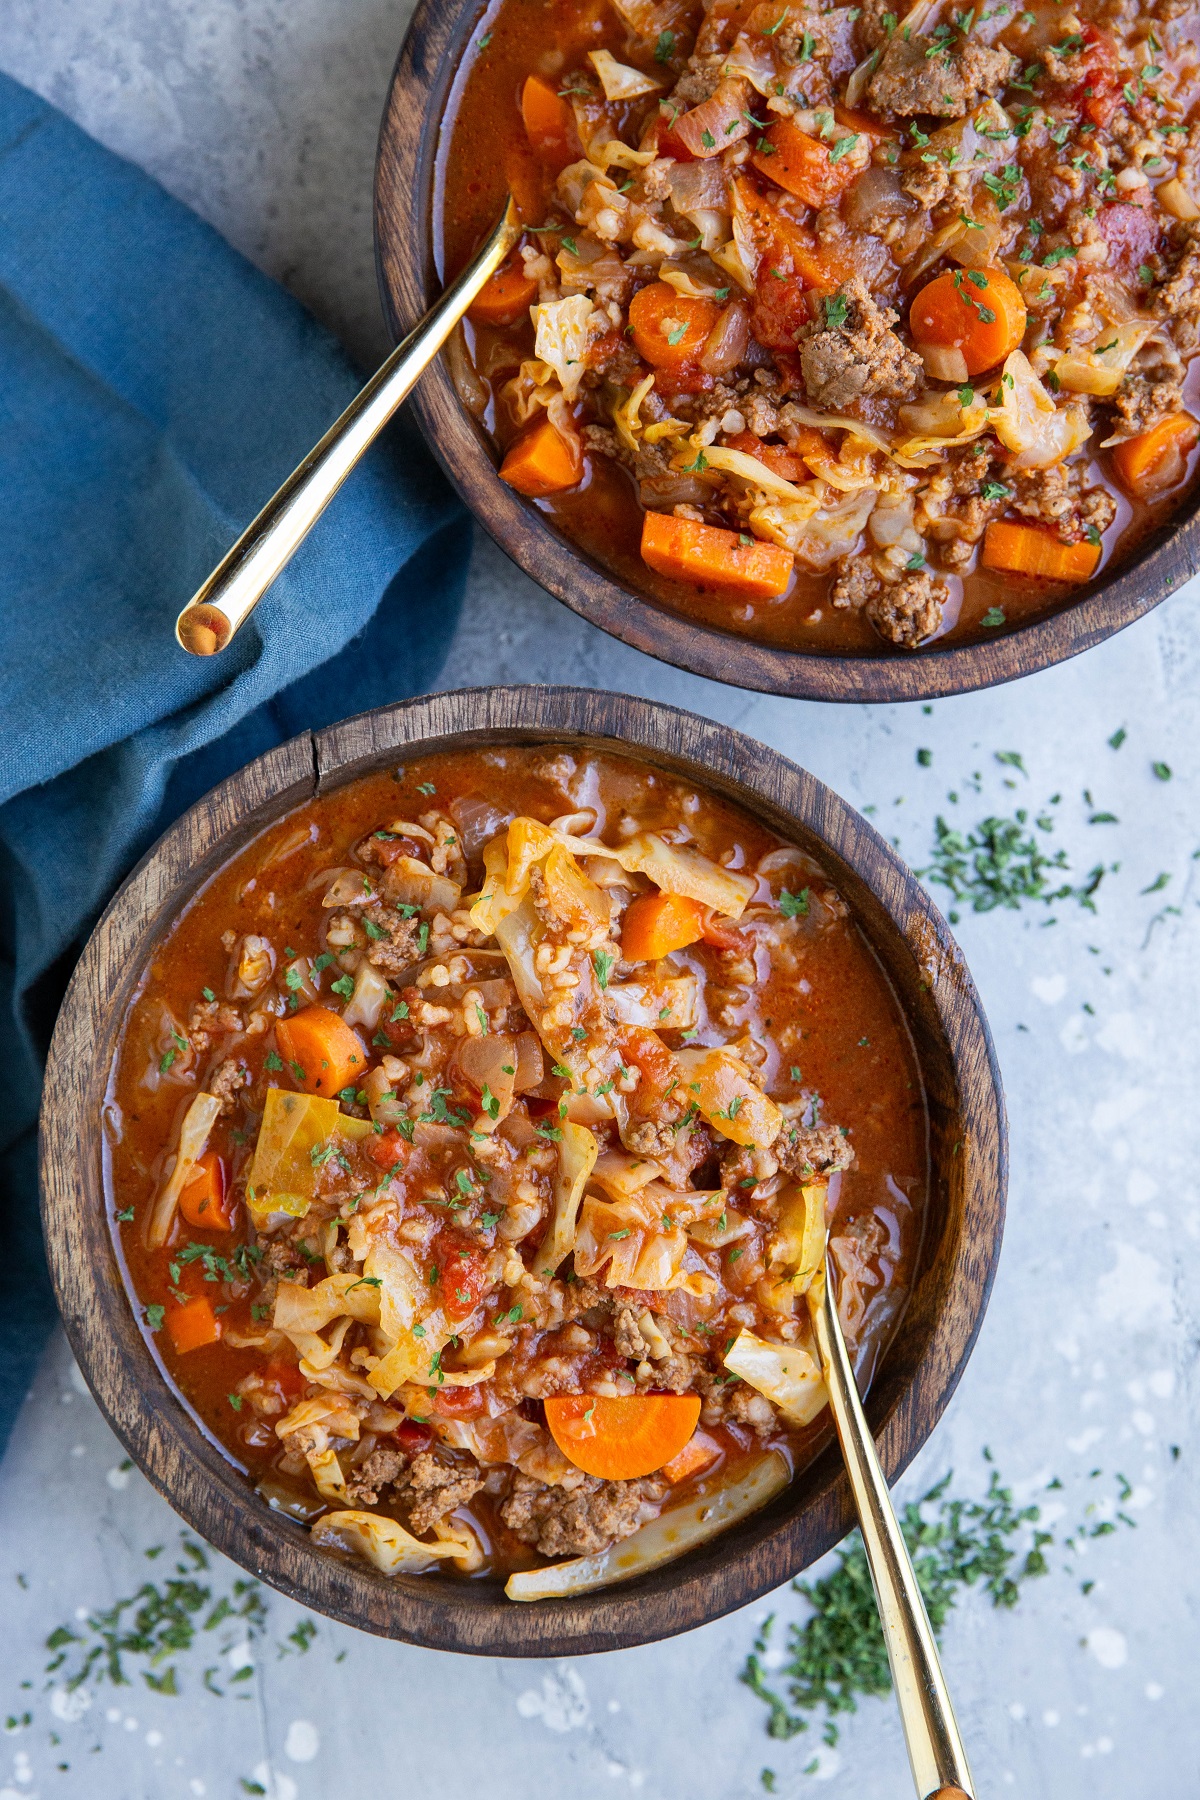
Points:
(263, 116)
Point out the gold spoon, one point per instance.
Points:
(222, 605)
(935, 1749)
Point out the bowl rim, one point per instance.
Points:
(129, 1383)
(404, 184)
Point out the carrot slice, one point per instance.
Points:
(620, 1438)
(542, 461)
(322, 1052)
(656, 924)
(549, 123)
(505, 297)
(1155, 461)
(203, 1200)
(803, 165)
(1028, 550)
(697, 1454)
(193, 1325)
(977, 311)
(685, 550)
(667, 328)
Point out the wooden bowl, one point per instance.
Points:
(433, 51)
(963, 1223)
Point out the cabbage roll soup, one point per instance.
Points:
(473, 1140)
(846, 328)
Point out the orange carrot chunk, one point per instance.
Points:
(1155, 461)
(193, 1325)
(549, 123)
(1028, 550)
(697, 1454)
(619, 1439)
(667, 328)
(685, 550)
(815, 172)
(322, 1052)
(977, 311)
(656, 924)
(203, 1201)
(505, 297)
(542, 461)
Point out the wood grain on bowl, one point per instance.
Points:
(964, 1217)
(423, 86)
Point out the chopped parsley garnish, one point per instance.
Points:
(602, 962)
(794, 906)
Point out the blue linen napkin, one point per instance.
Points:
(154, 391)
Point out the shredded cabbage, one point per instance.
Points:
(747, 468)
(729, 1097)
(366, 1002)
(383, 1542)
(577, 1153)
(1102, 368)
(627, 416)
(1028, 423)
(798, 1240)
(563, 329)
(198, 1121)
(283, 1175)
(618, 80)
(789, 1377)
(816, 535)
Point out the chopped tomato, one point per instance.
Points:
(458, 1270)
(388, 1149)
(650, 1055)
(1099, 87)
(413, 1436)
(777, 457)
(459, 1402)
(1132, 238)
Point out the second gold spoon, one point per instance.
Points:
(935, 1749)
(222, 605)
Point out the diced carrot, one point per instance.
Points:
(549, 123)
(1028, 550)
(656, 924)
(624, 1437)
(803, 165)
(777, 457)
(667, 328)
(977, 311)
(193, 1325)
(697, 1454)
(203, 1201)
(1155, 461)
(685, 550)
(322, 1052)
(505, 297)
(542, 461)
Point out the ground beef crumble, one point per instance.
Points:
(435, 1488)
(906, 611)
(856, 355)
(915, 77)
(582, 1519)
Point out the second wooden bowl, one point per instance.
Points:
(430, 62)
(963, 1224)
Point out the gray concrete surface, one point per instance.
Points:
(263, 117)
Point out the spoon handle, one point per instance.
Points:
(935, 1749)
(222, 605)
